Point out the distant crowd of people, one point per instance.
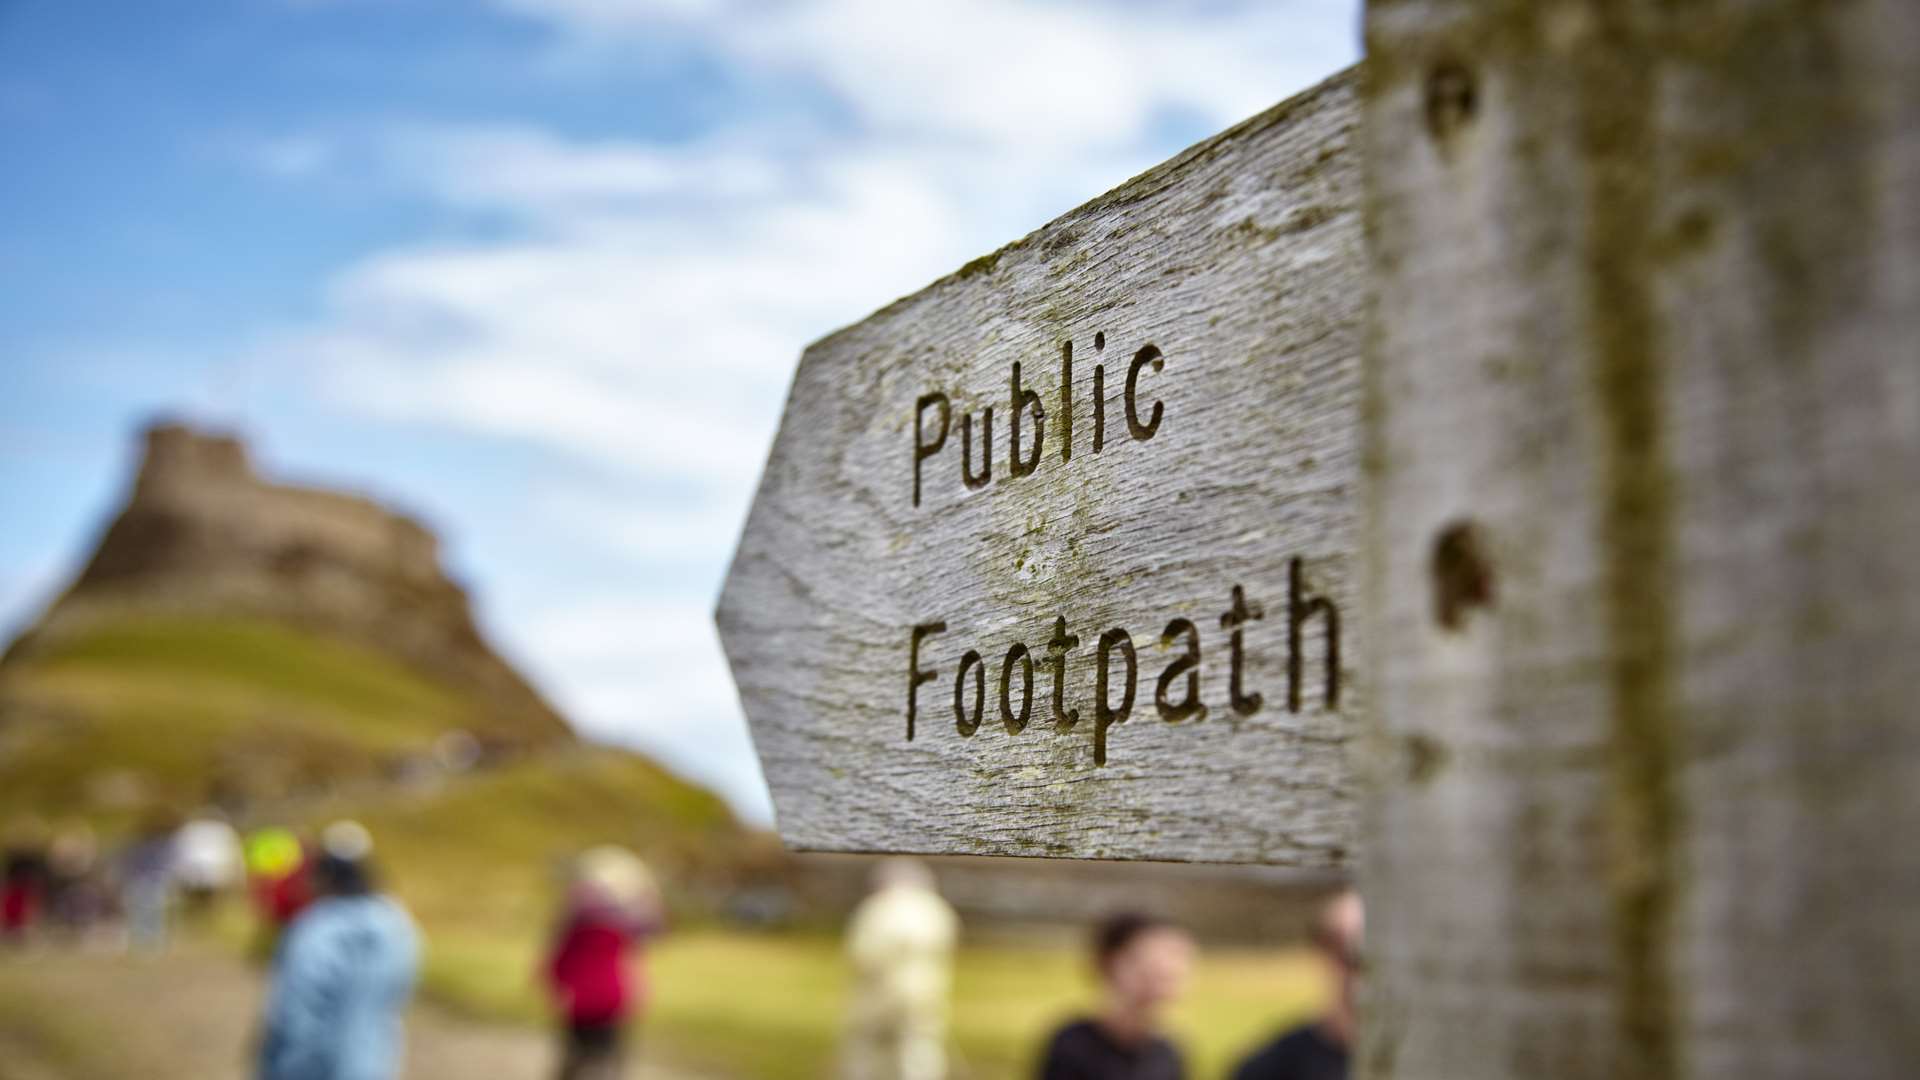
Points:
(64, 886)
(901, 939)
(343, 957)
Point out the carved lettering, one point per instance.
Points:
(1104, 714)
(1140, 431)
(1066, 402)
(1057, 648)
(922, 449)
(1026, 411)
(1099, 395)
(1188, 664)
(1236, 617)
(1099, 407)
(963, 723)
(1300, 608)
(967, 475)
(1023, 401)
(1016, 725)
(1116, 675)
(916, 677)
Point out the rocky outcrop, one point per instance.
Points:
(203, 533)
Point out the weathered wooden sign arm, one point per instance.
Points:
(1055, 556)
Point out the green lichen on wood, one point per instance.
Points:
(985, 264)
(1637, 522)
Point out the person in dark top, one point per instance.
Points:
(1143, 963)
(1320, 1050)
(1305, 1053)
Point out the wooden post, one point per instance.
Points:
(1643, 540)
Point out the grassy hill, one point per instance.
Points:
(174, 712)
(177, 711)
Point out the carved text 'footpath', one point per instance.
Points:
(1176, 695)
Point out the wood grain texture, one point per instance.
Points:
(1239, 262)
(1644, 389)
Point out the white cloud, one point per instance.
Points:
(613, 420)
(667, 533)
(1001, 72)
(648, 672)
(655, 339)
(530, 172)
(645, 309)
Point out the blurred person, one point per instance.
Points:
(75, 897)
(146, 884)
(900, 941)
(343, 975)
(278, 882)
(23, 883)
(612, 906)
(1143, 963)
(1322, 1048)
(207, 860)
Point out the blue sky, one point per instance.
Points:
(502, 263)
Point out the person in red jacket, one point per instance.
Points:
(279, 880)
(594, 971)
(23, 888)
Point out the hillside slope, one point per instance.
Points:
(277, 723)
(201, 533)
(292, 654)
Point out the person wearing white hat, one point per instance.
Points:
(207, 860)
(344, 974)
(595, 968)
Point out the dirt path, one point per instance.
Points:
(97, 1015)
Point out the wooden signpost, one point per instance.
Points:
(1644, 540)
(1055, 557)
(1603, 665)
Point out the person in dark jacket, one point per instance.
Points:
(1143, 964)
(342, 976)
(1320, 1050)
(612, 906)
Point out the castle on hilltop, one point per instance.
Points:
(203, 534)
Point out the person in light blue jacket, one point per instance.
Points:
(343, 975)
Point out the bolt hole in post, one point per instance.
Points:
(1452, 99)
(1462, 574)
